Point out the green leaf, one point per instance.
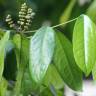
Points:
(84, 43)
(46, 92)
(1, 33)
(94, 72)
(53, 77)
(17, 44)
(3, 42)
(28, 85)
(3, 87)
(9, 46)
(22, 56)
(67, 12)
(65, 63)
(90, 11)
(50, 92)
(21, 48)
(41, 52)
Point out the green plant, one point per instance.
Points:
(46, 59)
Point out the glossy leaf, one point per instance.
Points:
(84, 43)
(3, 42)
(52, 77)
(41, 52)
(65, 63)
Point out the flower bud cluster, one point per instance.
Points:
(25, 18)
(10, 21)
(29, 17)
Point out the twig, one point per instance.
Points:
(55, 25)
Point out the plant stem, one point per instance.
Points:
(18, 83)
(21, 69)
(55, 26)
(64, 23)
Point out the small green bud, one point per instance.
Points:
(24, 4)
(27, 24)
(22, 13)
(28, 17)
(28, 21)
(22, 16)
(8, 16)
(8, 19)
(23, 10)
(12, 26)
(21, 19)
(29, 10)
(22, 23)
(11, 22)
(18, 22)
(26, 27)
